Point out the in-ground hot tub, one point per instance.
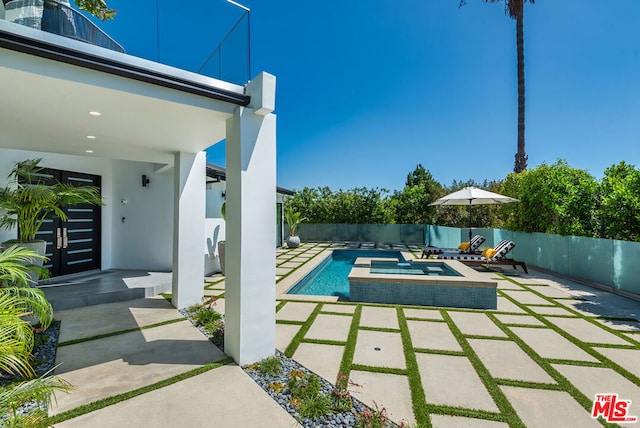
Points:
(446, 283)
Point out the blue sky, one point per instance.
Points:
(367, 89)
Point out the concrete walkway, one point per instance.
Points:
(537, 361)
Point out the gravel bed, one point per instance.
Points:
(332, 420)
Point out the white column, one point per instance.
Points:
(188, 228)
(251, 226)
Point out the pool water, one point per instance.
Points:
(431, 269)
(331, 277)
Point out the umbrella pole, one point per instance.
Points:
(469, 221)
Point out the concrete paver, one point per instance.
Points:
(518, 319)
(620, 325)
(475, 323)
(90, 320)
(432, 335)
(325, 359)
(549, 344)
(295, 311)
(550, 310)
(506, 360)
(445, 421)
(379, 349)
(627, 358)
(379, 317)
(387, 391)
(422, 314)
(583, 307)
(597, 380)
(116, 364)
(284, 334)
(506, 305)
(290, 264)
(451, 380)
(343, 309)
(503, 284)
(219, 398)
(552, 292)
(330, 327)
(540, 408)
(586, 331)
(527, 297)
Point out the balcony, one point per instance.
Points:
(210, 38)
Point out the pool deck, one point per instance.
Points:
(536, 361)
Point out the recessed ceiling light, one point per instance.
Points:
(95, 113)
(91, 137)
(89, 151)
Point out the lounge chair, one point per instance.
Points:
(474, 244)
(490, 256)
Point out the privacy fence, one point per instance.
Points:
(612, 263)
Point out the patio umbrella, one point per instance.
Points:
(473, 196)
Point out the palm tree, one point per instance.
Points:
(18, 302)
(515, 9)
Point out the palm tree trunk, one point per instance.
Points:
(521, 157)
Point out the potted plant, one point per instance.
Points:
(221, 244)
(293, 219)
(27, 202)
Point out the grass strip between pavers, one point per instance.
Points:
(376, 369)
(350, 348)
(439, 352)
(114, 399)
(117, 333)
(324, 342)
(507, 412)
(295, 342)
(280, 305)
(528, 384)
(380, 329)
(420, 408)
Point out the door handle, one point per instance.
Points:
(58, 239)
(65, 238)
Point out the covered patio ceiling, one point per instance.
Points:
(46, 107)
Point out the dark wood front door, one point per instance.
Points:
(73, 245)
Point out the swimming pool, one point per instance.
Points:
(331, 277)
(393, 268)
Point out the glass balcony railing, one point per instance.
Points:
(208, 37)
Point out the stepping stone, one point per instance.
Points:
(117, 364)
(282, 271)
(475, 323)
(549, 344)
(527, 297)
(598, 380)
(627, 358)
(432, 335)
(323, 360)
(387, 391)
(220, 306)
(284, 334)
(330, 327)
(210, 293)
(290, 265)
(503, 284)
(217, 286)
(587, 332)
(451, 381)
(552, 292)
(379, 349)
(519, 319)
(583, 307)
(506, 360)
(379, 317)
(539, 408)
(343, 309)
(446, 421)
(295, 311)
(551, 310)
(422, 314)
(622, 325)
(506, 305)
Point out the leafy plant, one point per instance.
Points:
(270, 366)
(315, 406)
(376, 418)
(292, 218)
(27, 201)
(340, 393)
(97, 8)
(17, 302)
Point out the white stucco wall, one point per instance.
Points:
(85, 164)
(144, 240)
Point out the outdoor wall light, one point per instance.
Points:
(145, 180)
(224, 194)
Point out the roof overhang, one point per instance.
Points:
(149, 111)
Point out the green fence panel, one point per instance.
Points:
(411, 233)
(626, 269)
(443, 236)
